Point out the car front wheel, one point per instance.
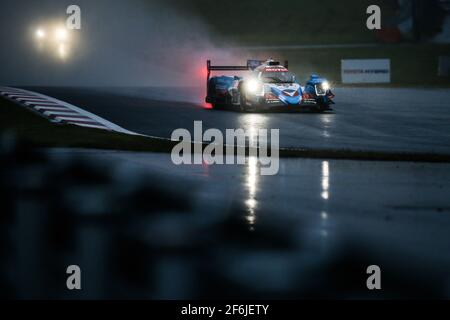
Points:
(243, 102)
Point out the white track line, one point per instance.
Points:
(31, 100)
(75, 119)
(21, 96)
(88, 125)
(7, 93)
(46, 104)
(50, 108)
(59, 113)
(41, 103)
(85, 122)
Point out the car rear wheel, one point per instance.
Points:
(219, 106)
(324, 107)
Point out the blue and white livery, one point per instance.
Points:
(268, 85)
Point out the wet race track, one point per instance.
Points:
(376, 119)
(309, 231)
(196, 231)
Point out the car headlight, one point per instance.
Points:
(326, 85)
(40, 33)
(61, 34)
(252, 86)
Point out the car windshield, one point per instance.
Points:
(277, 77)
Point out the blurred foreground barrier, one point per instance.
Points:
(444, 66)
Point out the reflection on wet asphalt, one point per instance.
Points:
(379, 119)
(150, 229)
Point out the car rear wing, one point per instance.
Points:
(251, 65)
(223, 68)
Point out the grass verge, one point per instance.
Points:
(411, 64)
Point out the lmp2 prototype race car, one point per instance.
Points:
(269, 85)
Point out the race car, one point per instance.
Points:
(268, 85)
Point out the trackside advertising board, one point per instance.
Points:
(366, 71)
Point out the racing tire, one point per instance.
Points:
(218, 106)
(323, 108)
(243, 102)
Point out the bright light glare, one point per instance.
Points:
(40, 33)
(326, 86)
(61, 34)
(62, 51)
(252, 86)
